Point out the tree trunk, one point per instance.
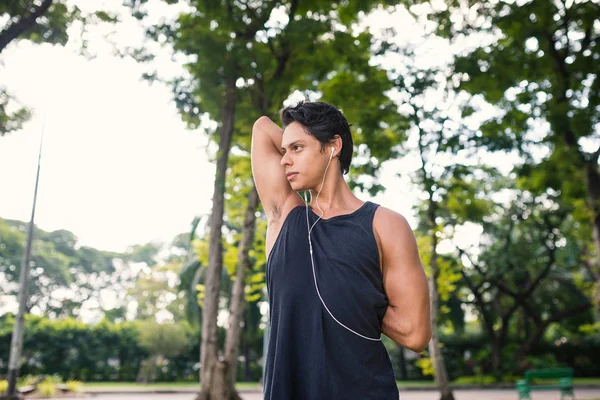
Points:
(593, 189)
(439, 367)
(140, 375)
(152, 370)
(211, 381)
(526, 346)
(402, 363)
(238, 301)
(22, 25)
(498, 343)
(496, 357)
(441, 377)
(247, 371)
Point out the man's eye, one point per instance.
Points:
(297, 147)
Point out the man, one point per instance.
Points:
(339, 272)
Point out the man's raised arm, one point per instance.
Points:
(269, 176)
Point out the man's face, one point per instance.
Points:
(302, 160)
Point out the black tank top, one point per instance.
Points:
(310, 356)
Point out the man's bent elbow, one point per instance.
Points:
(261, 123)
(418, 341)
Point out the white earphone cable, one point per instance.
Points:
(310, 228)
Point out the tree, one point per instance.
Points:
(58, 264)
(538, 63)
(527, 265)
(24, 21)
(242, 267)
(453, 180)
(247, 58)
(11, 121)
(244, 261)
(146, 253)
(156, 294)
(160, 340)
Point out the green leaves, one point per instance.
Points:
(168, 339)
(541, 68)
(50, 27)
(57, 262)
(12, 121)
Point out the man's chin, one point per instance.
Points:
(297, 187)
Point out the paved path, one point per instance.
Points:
(494, 394)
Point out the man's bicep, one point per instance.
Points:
(269, 176)
(408, 318)
(404, 278)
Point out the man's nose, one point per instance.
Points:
(285, 160)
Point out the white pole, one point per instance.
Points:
(16, 345)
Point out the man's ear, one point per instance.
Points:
(337, 143)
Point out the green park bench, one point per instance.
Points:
(562, 377)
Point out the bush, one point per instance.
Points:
(426, 365)
(3, 386)
(27, 380)
(63, 346)
(511, 378)
(47, 389)
(74, 386)
(55, 379)
(547, 360)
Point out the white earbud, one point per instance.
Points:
(332, 150)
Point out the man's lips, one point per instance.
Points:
(290, 175)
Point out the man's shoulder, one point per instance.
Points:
(388, 218)
(390, 225)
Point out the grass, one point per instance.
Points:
(576, 381)
(415, 383)
(580, 381)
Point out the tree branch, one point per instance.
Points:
(487, 319)
(566, 22)
(563, 73)
(461, 252)
(541, 276)
(596, 156)
(568, 312)
(587, 39)
(560, 63)
(542, 325)
(286, 51)
(22, 25)
(270, 44)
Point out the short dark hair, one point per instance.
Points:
(322, 121)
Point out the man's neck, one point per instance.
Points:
(335, 198)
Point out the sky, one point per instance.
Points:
(119, 167)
